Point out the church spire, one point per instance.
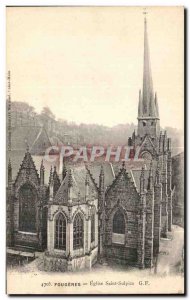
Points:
(156, 105)
(140, 109)
(148, 113)
(149, 109)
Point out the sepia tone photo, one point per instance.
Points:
(95, 150)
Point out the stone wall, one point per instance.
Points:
(149, 229)
(122, 195)
(149, 126)
(28, 175)
(76, 258)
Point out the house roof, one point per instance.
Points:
(26, 135)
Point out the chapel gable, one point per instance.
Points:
(27, 172)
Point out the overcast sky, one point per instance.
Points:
(86, 64)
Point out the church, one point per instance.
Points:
(101, 211)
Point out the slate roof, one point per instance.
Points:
(23, 135)
(55, 141)
(16, 158)
(136, 173)
(129, 165)
(109, 173)
(79, 172)
(78, 177)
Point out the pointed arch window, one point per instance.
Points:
(119, 223)
(78, 232)
(60, 232)
(27, 208)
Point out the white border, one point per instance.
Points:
(3, 4)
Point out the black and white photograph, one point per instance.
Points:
(95, 150)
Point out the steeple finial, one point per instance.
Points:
(27, 146)
(145, 13)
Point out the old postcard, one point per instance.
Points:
(95, 150)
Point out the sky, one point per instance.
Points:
(86, 64)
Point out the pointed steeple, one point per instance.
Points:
(70, 187)
(64, 170)
(148, 114)
(101, 179)
(56, 181)
(142, 180)
(51, 176)
(156, 105)
(87, 183)
(140, 109)
(148, 94)
(51, 185)
(42, 169)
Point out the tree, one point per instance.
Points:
(48, 113)
(22, 107)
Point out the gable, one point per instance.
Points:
(27, 172)
(33, 136)
(41, 142)
(147, 146)
(123, 191)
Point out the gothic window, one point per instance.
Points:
(119, 223)
(78, 232)
(27, 208)
(144, 123)
(60, 232)
(92, 228)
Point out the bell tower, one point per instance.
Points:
(148, 113)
